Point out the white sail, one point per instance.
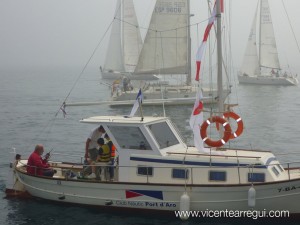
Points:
(132, 41)
(250, 64)
(268, 51)
(265, 69)
(165, 49)
(114, 56)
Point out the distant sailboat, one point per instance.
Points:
(262, 66)
(166, 51)
(125, 44)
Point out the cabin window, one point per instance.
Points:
(217, 175)
(163, 135)
(130, 137)
(180, 173)
(275, 171)
(280, 168)
(256, 177)
(145, 170)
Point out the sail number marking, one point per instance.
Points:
(287, 188)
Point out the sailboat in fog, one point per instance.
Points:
(166, 52)
(262, 66)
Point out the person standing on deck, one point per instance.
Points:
(91, 145)
(113, 149)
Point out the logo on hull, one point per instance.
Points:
(138, 193)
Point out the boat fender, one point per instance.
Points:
(239, 122)
(184, 206)
(224, 139)
(251, 197)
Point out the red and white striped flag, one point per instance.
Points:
(201, 49)
(196, 120)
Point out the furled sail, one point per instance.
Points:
(165, 49)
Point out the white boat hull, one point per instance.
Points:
(269, 196)
(267, 80)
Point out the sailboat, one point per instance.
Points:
(261, 66)
(166, 51)
(157, 171)
(125, 44)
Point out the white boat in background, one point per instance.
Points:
(125, 44)
(164, 93)
(263, 67)
(157, 171)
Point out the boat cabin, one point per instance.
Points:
(152, 150)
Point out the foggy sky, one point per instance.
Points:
(55, 33)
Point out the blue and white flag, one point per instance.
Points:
(138, 101)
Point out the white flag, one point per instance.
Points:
(138, 101)
(196, 120)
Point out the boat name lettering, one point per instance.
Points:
(129, 203)
(287, 188)
(121, 203)
(136, 203)
(145, 204)
(160, 204)
(170, 204)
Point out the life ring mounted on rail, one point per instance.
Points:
(224, 139)
(239, 122)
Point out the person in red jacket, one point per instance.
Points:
(38, 166)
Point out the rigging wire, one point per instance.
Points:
(294, 35)
(89, 59)
(84, 68)
(50, 123)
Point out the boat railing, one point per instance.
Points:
(181, 174)
(213, 155)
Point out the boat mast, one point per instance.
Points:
(219, 50)
(259, 38)
(189, 76)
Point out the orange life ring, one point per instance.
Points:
(224, 139)
(239, 121)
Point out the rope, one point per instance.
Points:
(167, 30)
(85, 66)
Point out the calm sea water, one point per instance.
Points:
(29, 100)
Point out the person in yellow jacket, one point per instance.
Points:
(113, 149)
(104, 156)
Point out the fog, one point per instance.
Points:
(64, 33)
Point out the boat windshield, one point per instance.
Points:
(163, 135)
(130, 137)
